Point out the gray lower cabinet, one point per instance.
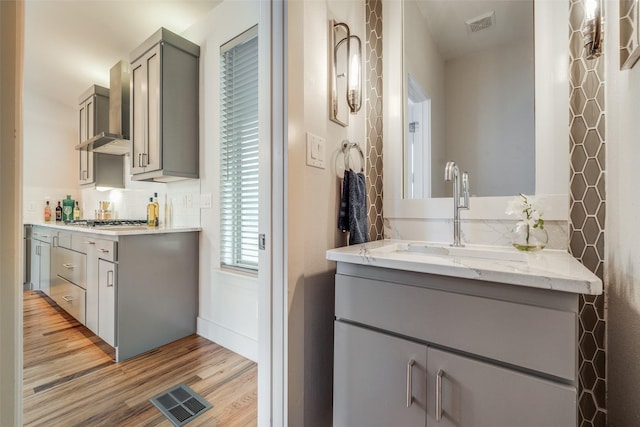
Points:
(41, 259)
(379, 379)
(419, 349)
(107, 301)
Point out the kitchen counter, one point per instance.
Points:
(117, 230)
(546, 269)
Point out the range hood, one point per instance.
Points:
(116, 141)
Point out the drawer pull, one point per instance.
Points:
(104, 250)
(439, 376)
(410, 382)
(89, 242)
(68, 298)
(110, 282)
(69, 266)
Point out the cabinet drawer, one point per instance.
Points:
(63, 239)
(71, 266)
(80, 242)
(106, 249)
(70, 297)
(529, 336)
(41, 234)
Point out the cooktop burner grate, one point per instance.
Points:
(106, 222)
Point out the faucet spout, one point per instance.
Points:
(452, 173)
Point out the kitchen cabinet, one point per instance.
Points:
(41, 259)
(68, 282)
(164, 108)
(107, 301)
(97, 169)
(136, 290)
(485, 354)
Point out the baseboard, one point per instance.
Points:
(238, 343)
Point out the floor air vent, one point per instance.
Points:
(181, 404)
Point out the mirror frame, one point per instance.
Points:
(551, 122)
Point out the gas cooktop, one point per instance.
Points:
(107, 222)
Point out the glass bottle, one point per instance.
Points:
(151, 213)
(58, 212)
(156, 209)
(47, 212)
(76, 212)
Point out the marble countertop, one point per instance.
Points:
(117, 230)
(546, 269)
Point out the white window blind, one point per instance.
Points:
(239, 152)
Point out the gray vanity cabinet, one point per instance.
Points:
(379, 379)
(164, 108)
(485, 354)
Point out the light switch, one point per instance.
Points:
(315, 151)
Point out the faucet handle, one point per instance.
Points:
(465, 190)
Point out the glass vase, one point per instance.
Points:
(525, 237)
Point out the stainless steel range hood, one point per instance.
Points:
(116, 141)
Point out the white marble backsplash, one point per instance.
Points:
(480, 232)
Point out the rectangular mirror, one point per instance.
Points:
(524, 150)
(475, 60)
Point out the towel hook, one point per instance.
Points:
(346, 150)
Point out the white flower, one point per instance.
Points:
(524, 206)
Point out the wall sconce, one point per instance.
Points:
(592, 28)
(346, 72)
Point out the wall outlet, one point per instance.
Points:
(205, 201)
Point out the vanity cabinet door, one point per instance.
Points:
(473, 393)
(379, 380)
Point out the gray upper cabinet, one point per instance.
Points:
(97, 169)
(164, 108)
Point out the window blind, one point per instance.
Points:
(239, 190)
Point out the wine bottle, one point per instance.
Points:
(76, 212)
(58, 212)
(47, 212)
(156, 208)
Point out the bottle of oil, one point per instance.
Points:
(151, 213)
(47, 212)
(76, 212)
(156, 208)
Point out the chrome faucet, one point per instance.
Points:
(451, 173)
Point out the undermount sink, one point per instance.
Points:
(444, 250)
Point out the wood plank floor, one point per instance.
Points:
(71, 380)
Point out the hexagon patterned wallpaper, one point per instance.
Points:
(587, 213)
(373, 94)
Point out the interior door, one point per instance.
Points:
(466, 392)
(379, 379)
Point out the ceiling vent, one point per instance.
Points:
(482, 22)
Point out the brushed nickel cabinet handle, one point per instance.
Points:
(410, 382)
(89, 242)
(103, 250)
(439, 376)
(110, 282)
(69, 266)
(68, 298)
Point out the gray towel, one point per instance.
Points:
(353, 207)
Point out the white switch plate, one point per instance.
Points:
(205, 201)
(315, 151)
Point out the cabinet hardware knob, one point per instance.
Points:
(410, 382)
(439, 376)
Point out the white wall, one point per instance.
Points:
(228, 311)
(622, 234)
(489, 115)
(313, 202)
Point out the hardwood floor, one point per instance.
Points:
(71, 380)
